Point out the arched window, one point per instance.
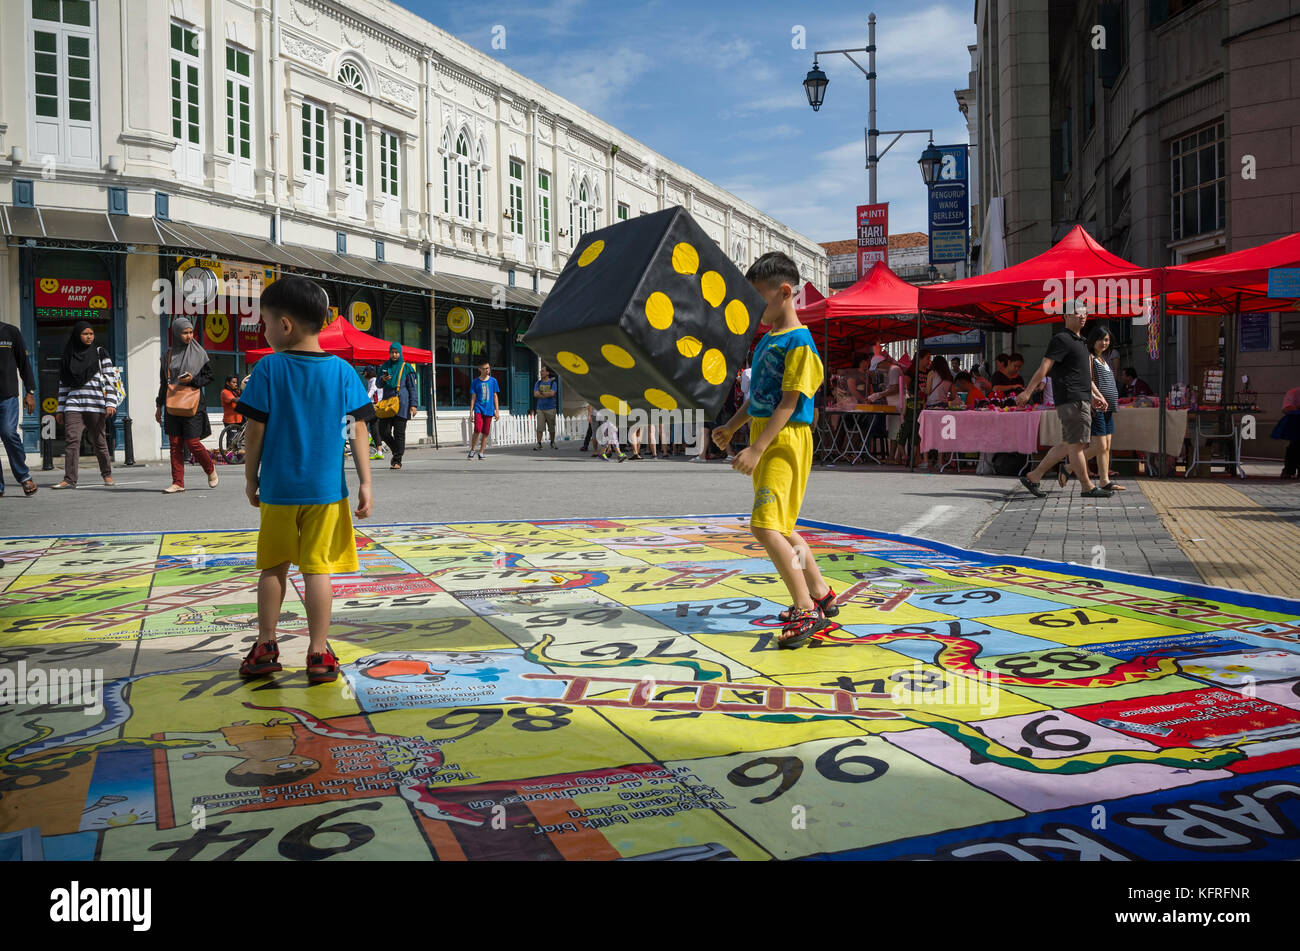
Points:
(446, 173)
(462, 176)
(478, 183)
(350, 75)
(584, 221)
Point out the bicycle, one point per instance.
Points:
(230, 444)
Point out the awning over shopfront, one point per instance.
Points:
(1076, 267)
(116, 232)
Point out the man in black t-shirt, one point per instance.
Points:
(1068, 365)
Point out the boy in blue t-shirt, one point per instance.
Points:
(787, 373)
(301, 404)
(487, 407)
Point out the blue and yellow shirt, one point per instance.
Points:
(784, 361)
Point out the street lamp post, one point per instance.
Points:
(815, 84)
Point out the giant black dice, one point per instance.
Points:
(648, 314)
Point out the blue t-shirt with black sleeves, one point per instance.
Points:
(785, 360)
(306, 400)
(483, 391)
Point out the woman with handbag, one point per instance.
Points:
(397, 403)
(184, 418)
(87, 402)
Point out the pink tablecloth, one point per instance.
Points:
(976, 431)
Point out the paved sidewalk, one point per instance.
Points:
(1236, 537)
(1123, 532)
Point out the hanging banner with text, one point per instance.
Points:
(873, 236)
(950, 207)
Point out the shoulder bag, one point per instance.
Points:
(182, 399)
(386, 409)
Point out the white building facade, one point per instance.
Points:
(151, 140)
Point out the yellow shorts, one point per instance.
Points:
(316, 538)
(781, 477)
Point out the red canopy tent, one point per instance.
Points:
(1230, 283)
(343, 339)
(1075, 267)
(881, 305)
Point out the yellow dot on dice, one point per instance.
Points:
(659, 310)
(591, 252)
(571, 362)
(713, 287)
(614, 404)
(686, 260)
(617, 356)
(660, 399)
(737, 317)
(689, 347)
(714, 367)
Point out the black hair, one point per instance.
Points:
(1130, 372)
(1095, 333)
(1017, 356)
(231, 377)
(300, 299)
(1003, 358)
(963, 377)
(940, 366)
(775, 266)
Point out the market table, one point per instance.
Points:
(956, 430)
(1137, 428)
(854, 428)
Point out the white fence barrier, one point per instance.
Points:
(522, 430)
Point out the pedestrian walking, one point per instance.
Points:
(487, 407)
(547, 394)
(15, 368)
(1103, 420)
(181, 411)
(1067, 362)
(87, 402)
(397, 404)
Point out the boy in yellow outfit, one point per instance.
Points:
(787, 373)
(301, 403)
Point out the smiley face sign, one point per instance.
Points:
(97, 303)
(50, 285)
(49, 405)
(217, 328)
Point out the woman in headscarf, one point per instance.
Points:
(87, 402)
(185, 365)
(397, 378)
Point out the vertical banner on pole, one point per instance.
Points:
(873, 236)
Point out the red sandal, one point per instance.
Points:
(801, 628)
(323, 668)
(826, 603)
(264, 658)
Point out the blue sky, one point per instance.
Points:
(716, 86)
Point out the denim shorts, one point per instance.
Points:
(1103, 423)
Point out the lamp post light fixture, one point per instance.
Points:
(815, 84)
(931, 161)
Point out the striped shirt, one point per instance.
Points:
(96, 395)
(1106, 384)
